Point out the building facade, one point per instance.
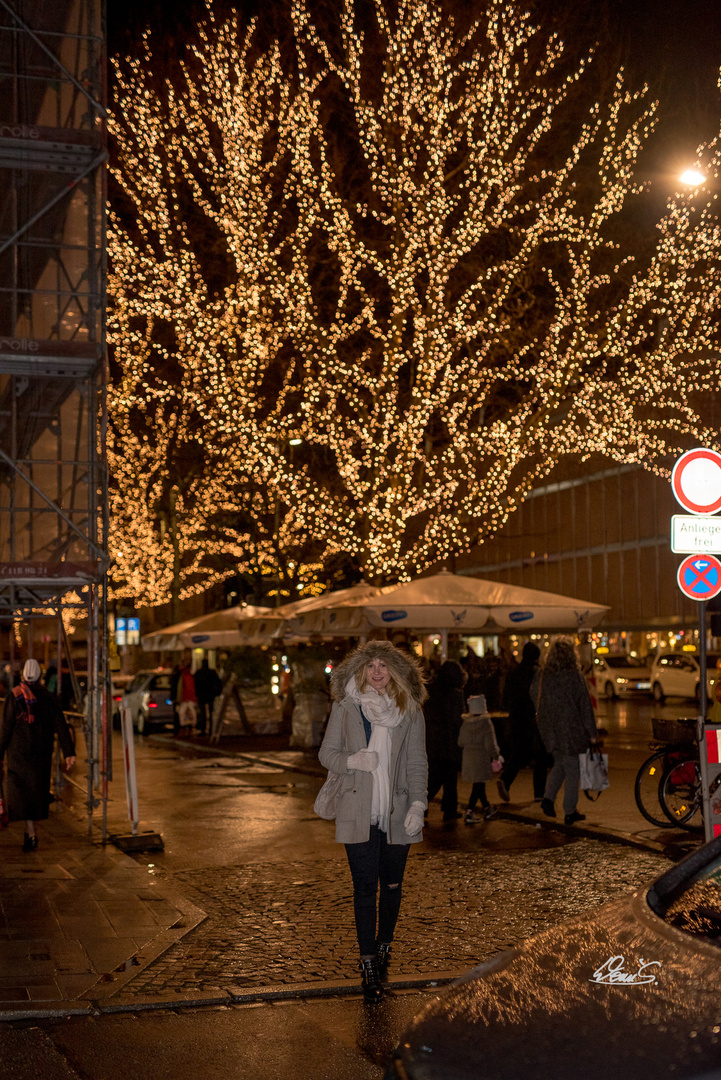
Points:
(603, 536)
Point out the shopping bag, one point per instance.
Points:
(326, 802)
(594, 772)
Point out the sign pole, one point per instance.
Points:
(696, 485)
(701, 732)
(703, 687)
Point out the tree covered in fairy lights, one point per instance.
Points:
(407, 243)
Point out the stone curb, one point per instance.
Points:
(191, 917)
(310, 769)
(672, 850)
(240, 996)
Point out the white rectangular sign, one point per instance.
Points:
(691, 534)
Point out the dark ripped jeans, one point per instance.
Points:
(370, 863)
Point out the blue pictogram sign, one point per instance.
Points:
(699, 577)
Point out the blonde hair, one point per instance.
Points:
(398, 688)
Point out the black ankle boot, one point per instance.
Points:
(30, 842)
(383, 955)
(372, 986)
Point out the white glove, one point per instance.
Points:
(414, 819)
(363, 760)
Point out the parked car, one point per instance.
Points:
(148, 698)
(620, 674)
(118, 685)
(675, 674)
(629, 990)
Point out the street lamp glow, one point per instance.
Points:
(692, 177)
(295, 442)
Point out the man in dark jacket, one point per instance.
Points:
(444, 715)
(525, 745)
(30, 721)
(207, 688)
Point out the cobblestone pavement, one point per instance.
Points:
(272, 923)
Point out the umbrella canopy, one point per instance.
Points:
(448, 601)
(217, 630)
(299, 618)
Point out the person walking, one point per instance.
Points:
(31, 719)
(480, 751)
(567, 725)
(207, 687)
(187, 701)
(444, 715)
(375, 740)
(525, 744)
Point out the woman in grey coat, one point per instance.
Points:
(375, 739)
(566, 723)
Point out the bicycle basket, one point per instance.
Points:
(681, 730)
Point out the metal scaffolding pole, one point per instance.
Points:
(53, 366)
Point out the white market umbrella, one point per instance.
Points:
(301, 618)
(217, 630)
(462, 604)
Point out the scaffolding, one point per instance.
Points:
(53, 477)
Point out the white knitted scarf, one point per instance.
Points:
(383, 715)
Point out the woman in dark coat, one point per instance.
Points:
(567, 725)
(524, 741)
(444, 716)
(31, 718)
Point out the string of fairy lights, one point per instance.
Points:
(390, 321)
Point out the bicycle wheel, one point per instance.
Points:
(647, 789)
(680, 791)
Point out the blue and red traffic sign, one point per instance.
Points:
(699, 577)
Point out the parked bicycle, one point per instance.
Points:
(668, 787)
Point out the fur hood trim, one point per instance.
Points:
(400, 664)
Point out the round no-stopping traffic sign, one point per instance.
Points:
(696, 481)
(699, 577)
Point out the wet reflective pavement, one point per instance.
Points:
(314, 1039)
(243, 845)
(256, 901)
(291, 923)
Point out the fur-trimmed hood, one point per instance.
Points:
(400, 664)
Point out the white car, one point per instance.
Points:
(148, 698)
(620, 674)
(677, 674)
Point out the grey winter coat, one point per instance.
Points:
(564, 714)
(478, 739)
(345, 735)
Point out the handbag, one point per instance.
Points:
(594, 772)
(326, 801)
